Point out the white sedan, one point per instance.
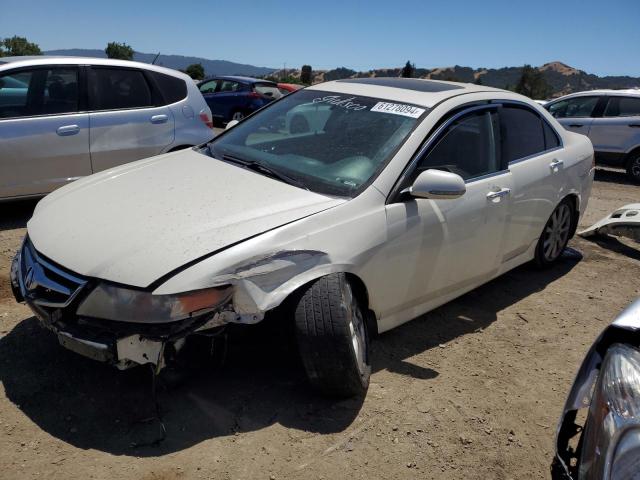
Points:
(347, 208)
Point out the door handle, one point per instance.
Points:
(555, 165)
(576, 125)
(503, 192)
(634, 125)
(159, 119)
(67, 130)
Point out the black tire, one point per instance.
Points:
(556, 234)
(633, 167)
(332, 337)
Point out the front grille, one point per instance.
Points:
(45, 284)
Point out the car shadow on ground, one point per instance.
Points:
(94, 406)
(610, 175)
(614, 244)
(16, 214)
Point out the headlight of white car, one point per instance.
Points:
(611, 444)
(111, 302)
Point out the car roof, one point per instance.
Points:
(238, 78)
(12, 62)
(409, 90)
(586, 93)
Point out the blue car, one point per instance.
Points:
(233, 98)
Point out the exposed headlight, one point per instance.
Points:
(611, 443)
(127, 305)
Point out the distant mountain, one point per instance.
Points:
(177, 62)
(562, 78)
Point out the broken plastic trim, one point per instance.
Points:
(624, 222)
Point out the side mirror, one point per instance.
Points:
(232, 123)
(437, 184)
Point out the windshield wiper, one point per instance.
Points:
(265, 170)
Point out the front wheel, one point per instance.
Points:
(555, 235)
(332, 337)
(633, 168)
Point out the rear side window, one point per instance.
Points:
(551, 139)
(41, 91)
(573, 107)
(521, 133)
(622, 107)
(468, 147)
(267, 89)
(118, 88)
(173, 89)
(227, 86)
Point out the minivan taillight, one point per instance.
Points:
(206, 119)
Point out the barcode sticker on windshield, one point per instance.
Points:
(398, 109)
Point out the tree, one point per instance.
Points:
(195, 71)
(305, 74)
(120, 51)
(532, 83)
(18, 46)
(408, 70)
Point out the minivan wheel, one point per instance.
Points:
(237, 116)
(555, 236)
(332, 337)
(633, 168)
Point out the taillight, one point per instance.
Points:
(255, 95)
(208, 121)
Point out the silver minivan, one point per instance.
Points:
(611, 119)
(62, 118)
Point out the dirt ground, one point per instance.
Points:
(471, 390)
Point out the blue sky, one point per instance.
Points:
(596, 36)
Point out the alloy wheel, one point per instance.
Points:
(556, 232)
(635, 168)
(357, 330)
(237, 116)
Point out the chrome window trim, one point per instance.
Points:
(486, 175)
(529, 157)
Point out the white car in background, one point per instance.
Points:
(63, 118)
(611, 120)
(393, 197)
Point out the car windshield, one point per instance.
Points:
(328, 142)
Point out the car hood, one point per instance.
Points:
(136, 223)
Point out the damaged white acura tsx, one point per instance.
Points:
(347, 208)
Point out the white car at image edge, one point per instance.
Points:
(389, 198)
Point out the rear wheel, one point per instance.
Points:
(332, 337)
(237, 116)
(633, 167)
(555, 235)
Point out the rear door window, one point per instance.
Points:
(39, 91)
(118, 88)
(521, 133)
(267, 89)
(622, 107)
(573, 107)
